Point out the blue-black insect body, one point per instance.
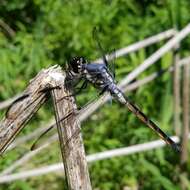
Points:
(98, 75)
(101, 78)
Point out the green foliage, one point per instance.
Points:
(52, 31)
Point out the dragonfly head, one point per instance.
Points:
(76, 64)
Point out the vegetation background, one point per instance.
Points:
(45, 33)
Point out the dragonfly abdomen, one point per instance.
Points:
(152, 125)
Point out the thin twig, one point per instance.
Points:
(7, 28)
(138, 45)
(91, 158)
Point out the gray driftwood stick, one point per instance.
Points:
(22, 111)
(138, 45)
(72, 149)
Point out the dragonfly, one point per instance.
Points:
(100, 76)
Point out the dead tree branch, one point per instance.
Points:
(72, 149)
(22, 110)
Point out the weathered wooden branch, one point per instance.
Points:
(52, 79)
(22, 111)
(72, 149)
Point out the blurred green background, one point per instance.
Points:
(45, 33)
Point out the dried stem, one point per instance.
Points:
(72, 150)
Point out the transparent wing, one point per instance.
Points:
(99, 47)
(40, 141)
(111, 64)
(111, 68)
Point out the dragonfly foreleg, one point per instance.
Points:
(48, 89)
(79, 90)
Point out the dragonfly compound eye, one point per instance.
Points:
(76, 64)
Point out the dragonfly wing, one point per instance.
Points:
(86, 109)
(37, 143)
(99, 46)
(111, 65)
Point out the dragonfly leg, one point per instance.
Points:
(104, 90)
(48, 89)
(83, 86)
(79, 90)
